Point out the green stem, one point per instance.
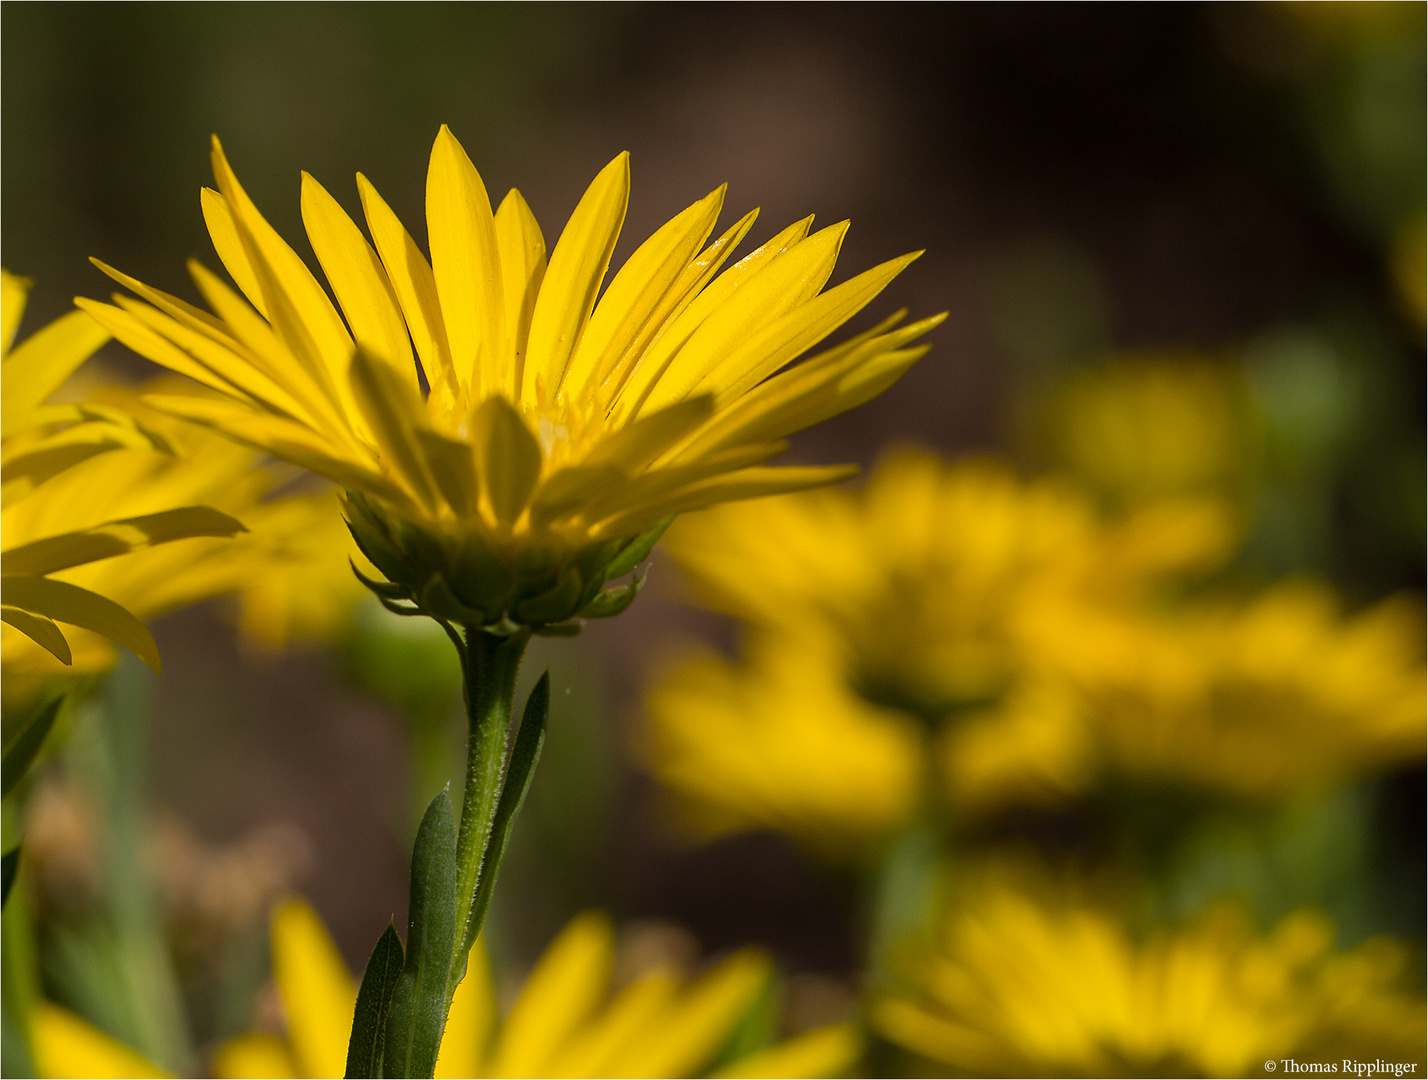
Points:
(489, 667)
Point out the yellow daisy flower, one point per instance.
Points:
(497, 475)
(289, 569)
(51, 529)
(564, 1022)
(1020, 985)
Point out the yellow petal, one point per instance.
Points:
(798, 331)
(254, 1056)
(66, 603)
(270, 255)
(394, 413)
(461, 233)
(357, 278)
(42, 631)
(146, 342)
(636, 292)
(783, 284)
(829, 1051)
(743, 484)
(229, 247)
(636, 445)
(52, 553)
(67, 1047)
(683, 294)
(700, 1021)
(656, 484)
(572, 281)
(631, 1018)
(522, 251)
(37, 366)
(316, 988)
(471, 1020)
(415, 287)
(568, 982)
(507, 456)
(13, 292)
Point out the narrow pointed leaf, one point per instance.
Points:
(23, 747)
(374, 1002)
(417, 1014)
(636, 551)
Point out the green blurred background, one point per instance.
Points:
(1240, 180)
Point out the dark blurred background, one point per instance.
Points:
(1086, 179)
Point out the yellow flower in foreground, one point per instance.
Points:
(67, 1047)
(1017, 986)
(779, 741)
(49, 531)
(564, 1023)
(498, 472)
(289, 568)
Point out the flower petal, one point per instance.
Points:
(66, 603)
(572, 281)
(37, 366)
(522, 251)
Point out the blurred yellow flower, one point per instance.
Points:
(1017, 985)
(289, 569)
(911, 582)
(1260, 697)
(1141, 428)
(54, 527)
(563, 1023)
(779, 741)
(67, 1047)
(497, 473)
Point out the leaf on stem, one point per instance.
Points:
(417, 1014)
(374, 1001)
(24, 746)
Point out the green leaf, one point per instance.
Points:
(9, 864)
(374, 1001)
(419, 1002)
(524, 756)
(40, 630)
(636, 551)
(24, 745)
(53, 553)
(68, 603)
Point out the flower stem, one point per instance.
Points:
(490, 664)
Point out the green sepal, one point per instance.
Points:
(555, 604)
(372, 540)
(9, 865)
(530, 738)
(400, 609)
(24, 745)
(636, 551)
(417, 1016)
(559, 629)
(481, 579)
(438, 599)
(368, 1043)
(612, 602)
(385, 590)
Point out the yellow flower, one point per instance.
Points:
(498, 472)
(289, 569)
(67, 1047)
(563, 1023)
(779, 741)
(1142, 428)
(1260, 697)
(1019, 985)
(52, 530)
(912, 582)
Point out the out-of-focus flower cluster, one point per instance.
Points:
(953, 647)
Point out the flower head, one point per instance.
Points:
(1021, 984)
(71, 499)
(504, 439)
(563, 1023)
